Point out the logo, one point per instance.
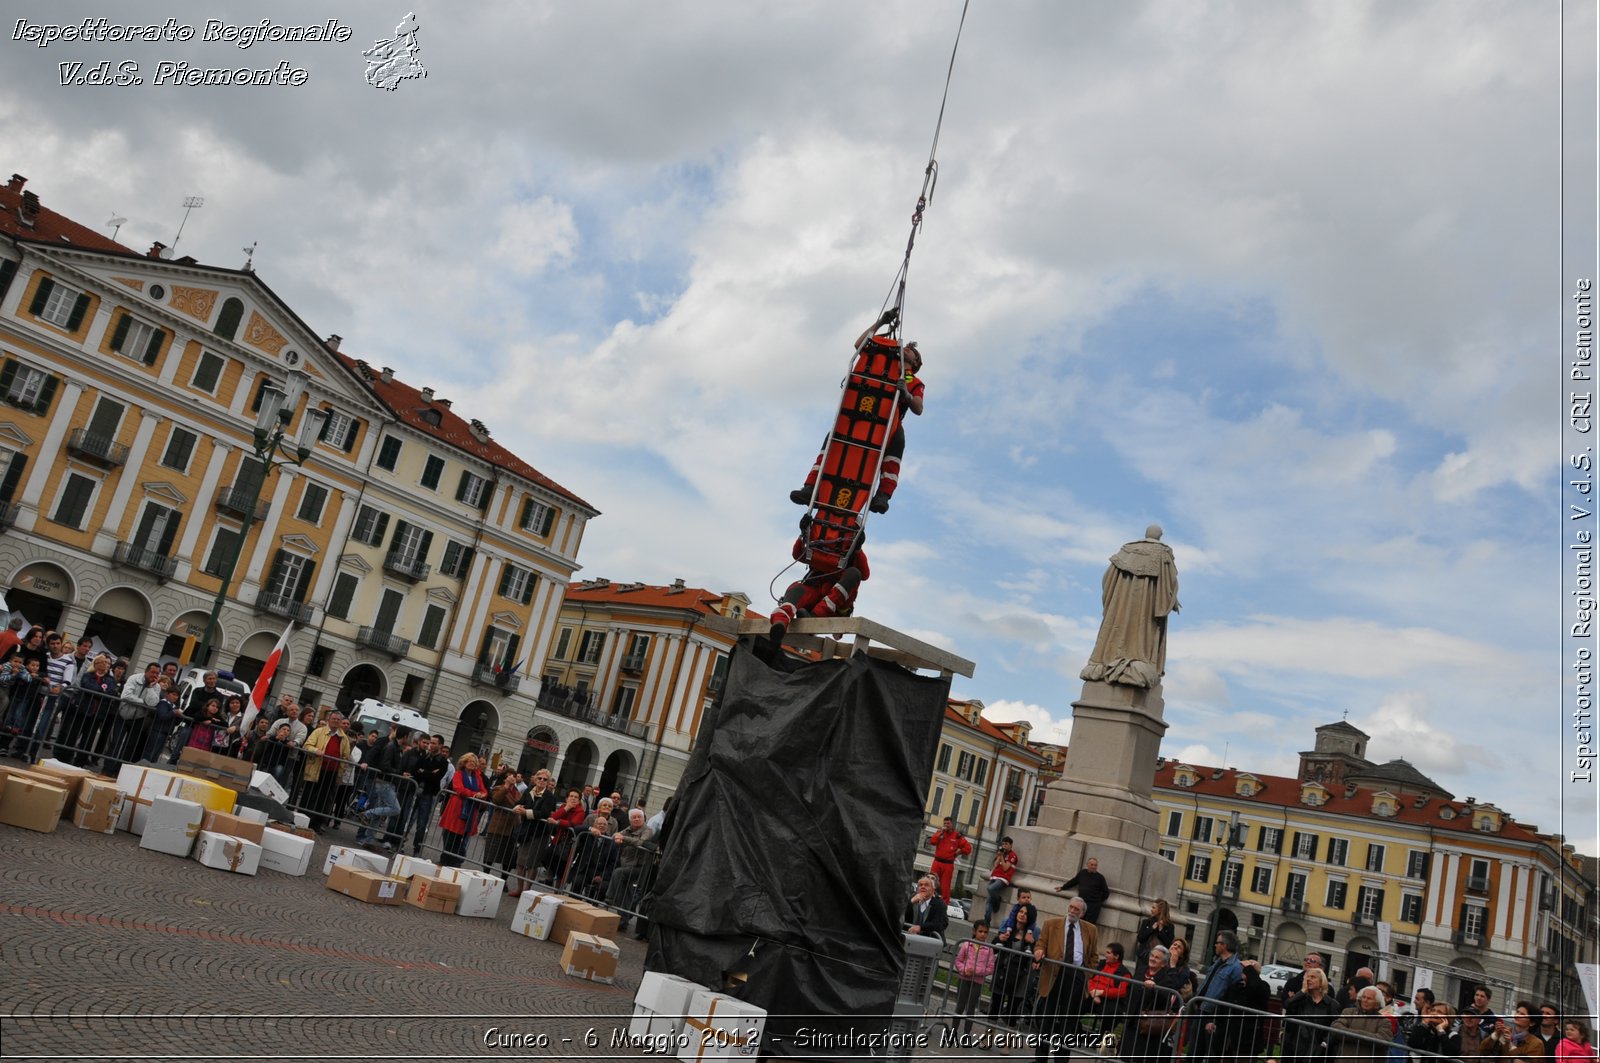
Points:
(395, 60)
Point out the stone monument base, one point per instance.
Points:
(1102, 808)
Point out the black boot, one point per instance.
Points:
(879, 503)
(800, 496)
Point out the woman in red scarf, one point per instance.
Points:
(460, 818)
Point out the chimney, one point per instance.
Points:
(677, 586)
(442, 402)
(333, 341)
(427, 394)
(30, 206)
(387, 376)
(16, 182)
(480, 431)
(155, 250)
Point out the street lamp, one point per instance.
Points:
(1234, 840)
(270, 449)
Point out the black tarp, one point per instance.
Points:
(793, 835)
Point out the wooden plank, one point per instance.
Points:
(869, 637)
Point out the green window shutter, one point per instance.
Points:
(511, 652)
(120, 334)
(8, 270)
(279, 559)
(41, 295)
(549, 520)
(527, 511)
(424, 545)
(8, 376)
(483, 650)
(350, 436)
(170, 533)
(461, 488)
(13, 477)
(304, 583)
(152, 350)
(47, 391)
(505, 579)
(79, 308)
(382, 527)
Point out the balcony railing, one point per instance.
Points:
(408, 566)
(1469, 939)
(1013, 793)
(1292, 904)
(1363, 919)
(487, 675)
(579, 707)
(97, 447)
(1478, 885)
(130, 556)
(8, 514)
(714, 685)
(393, 645)
(238, 500)
(633, 662)
(278, 605)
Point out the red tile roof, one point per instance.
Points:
(408, 404)
(48, 226)
(652, 597)
(1283, 792)
(985, 728)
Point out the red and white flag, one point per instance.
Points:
(258, 693)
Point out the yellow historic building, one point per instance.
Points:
(1376, 865)
(985, 777)
(421, 562)
(629, 671)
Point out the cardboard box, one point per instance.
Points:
(536, 911)
(99, 806)
(227, 853)
(251, 815)
(142, 785)
(70, 779)
(660, 1005)
(31, 804)
(403, 866)
(366, 886)
(719, 1027)
(227, 823)
(480, 895)
(590, 958)
(286, 852)
(267, 786)
(230, 772)
(583, 918)
(298, 832)
(433, 895)
(343, 854)
(301, 821)
(171, 825)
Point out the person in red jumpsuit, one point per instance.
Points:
(949, 845)
(827, 589)
(911, 395)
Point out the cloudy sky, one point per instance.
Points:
(1281, 277)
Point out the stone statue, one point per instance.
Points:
(1139, 589)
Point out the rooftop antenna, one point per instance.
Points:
(117, 222)
(250, 256)
(189, 204)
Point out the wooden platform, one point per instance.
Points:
(842, 637)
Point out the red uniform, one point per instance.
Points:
(948, 847)
(817, 594)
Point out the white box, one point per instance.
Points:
(341, 854)
(480, 893)
(720, 1027)
(403, 866)
(142, 784)
(301, 820)
(171, 825)
(660, 1005)
(251, 815)
(536, 911)
(285, 852)
(227, 853)
(267, 786)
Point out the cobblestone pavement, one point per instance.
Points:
(115, 952)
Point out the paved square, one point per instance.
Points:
(112, 951)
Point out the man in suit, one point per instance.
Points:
(1066, 948)
(925, 914)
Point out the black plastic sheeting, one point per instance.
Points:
(788, 856)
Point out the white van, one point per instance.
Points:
(374, 715)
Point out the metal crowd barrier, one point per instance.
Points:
(85, 729)
(1148, 1025)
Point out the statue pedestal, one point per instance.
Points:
(1102, 808)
